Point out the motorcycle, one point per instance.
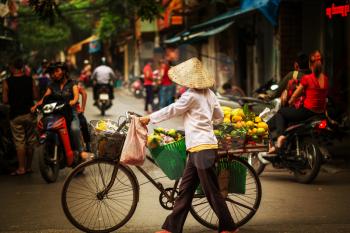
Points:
(301, 152)
(104, 101)
(137, 87)
(54, 151)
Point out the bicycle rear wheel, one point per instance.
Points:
(91, 212)
(241, 206)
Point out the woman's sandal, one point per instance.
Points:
(18, 173)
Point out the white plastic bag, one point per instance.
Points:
(134, 149)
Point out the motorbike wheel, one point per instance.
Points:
(49, 169)
(139, 93)
(311, 156)
(103, 110)
(256, 163)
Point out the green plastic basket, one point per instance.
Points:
(171, 158)
(237, 176)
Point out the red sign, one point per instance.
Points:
(169, 18)
(342, 10)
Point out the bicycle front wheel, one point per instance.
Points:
(90, 211)
(242, 206)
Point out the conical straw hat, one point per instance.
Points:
(191, 74)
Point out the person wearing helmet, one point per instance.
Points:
(103, 75)
(66, 88)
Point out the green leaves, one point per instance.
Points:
(39, 36)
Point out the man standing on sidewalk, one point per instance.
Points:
(19, 92)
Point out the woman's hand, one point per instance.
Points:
(291, 101)
(72, 103)
(32, 109)
(145, 120)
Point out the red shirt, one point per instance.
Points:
(165, 79)
(148, 78)
(315, 96)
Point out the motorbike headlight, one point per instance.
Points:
(48, 108)
(274, 87)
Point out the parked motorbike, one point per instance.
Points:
(137, 87)
(54, 151)
(104, 101)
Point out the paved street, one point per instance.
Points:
(29, 205)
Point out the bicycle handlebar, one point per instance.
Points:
(129, 113)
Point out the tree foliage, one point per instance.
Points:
(50, 26)
(39, 36)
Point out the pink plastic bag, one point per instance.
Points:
(134, 149)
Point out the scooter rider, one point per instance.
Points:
(103, 75)
(301, 67)
(65, 87)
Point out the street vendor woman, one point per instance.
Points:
(199, 107)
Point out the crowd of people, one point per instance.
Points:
(302, 91)
(50, 79)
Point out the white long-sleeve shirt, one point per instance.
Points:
(199, 109)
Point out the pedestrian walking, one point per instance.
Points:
(19, 91)
(85, 73)
(167, 87)
(199, 107)
(148, 84)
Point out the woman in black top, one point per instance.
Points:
(66, 88)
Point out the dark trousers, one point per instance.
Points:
(149, 97)
(199, 169)
(84, 129)
(287, 115)
(96, 87)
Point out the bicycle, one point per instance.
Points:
(105, 196)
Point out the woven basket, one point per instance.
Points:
(171, 158)
(231, 177)
(104, 143)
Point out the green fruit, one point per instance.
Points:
(255, 138)
(235, 134)
(217, 132)
(159, 130)
(172, 133)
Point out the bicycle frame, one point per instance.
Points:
(158, 185)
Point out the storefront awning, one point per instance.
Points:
(269, 8)
(189, 36)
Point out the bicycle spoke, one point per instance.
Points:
(242, 206)
(88, 208)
